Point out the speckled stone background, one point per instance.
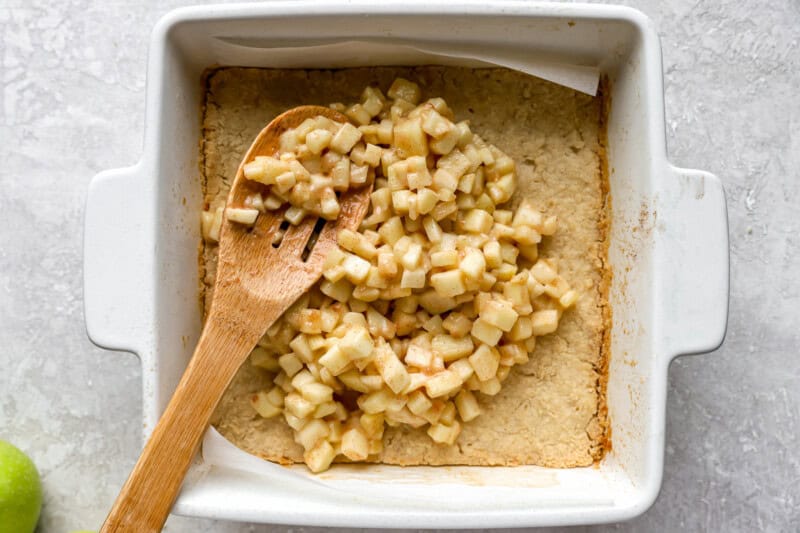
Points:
(72, 104)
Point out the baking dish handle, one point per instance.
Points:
(695, 261)
(114, 260)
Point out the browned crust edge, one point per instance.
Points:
(205, 85)
(604, 225)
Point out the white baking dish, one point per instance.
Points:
(669, 254)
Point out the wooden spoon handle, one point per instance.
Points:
(147, 497)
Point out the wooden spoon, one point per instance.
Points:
(255, 284)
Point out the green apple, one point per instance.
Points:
(20, 491)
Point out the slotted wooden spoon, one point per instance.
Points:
(255, 284)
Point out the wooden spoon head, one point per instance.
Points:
(247, 258)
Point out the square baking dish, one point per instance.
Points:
(668, 253)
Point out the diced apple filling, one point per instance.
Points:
(316, 160)
(423, 312)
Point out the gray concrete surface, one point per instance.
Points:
(72, 104)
